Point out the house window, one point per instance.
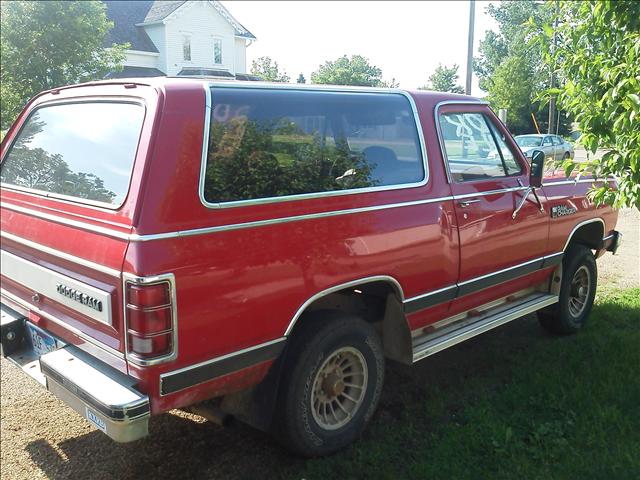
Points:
(217, 51)
(186, 48)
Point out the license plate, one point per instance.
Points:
(40, 341)
(96, 420)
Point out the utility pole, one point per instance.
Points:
(552, 101)
(472, 16)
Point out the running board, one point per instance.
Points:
(434, 342)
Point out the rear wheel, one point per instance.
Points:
(331, 385)
(577, 291)
(566, 156)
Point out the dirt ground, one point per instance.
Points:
(623, 269)
(42, 438)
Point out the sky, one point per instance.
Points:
(406, 40)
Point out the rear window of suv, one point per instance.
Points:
(83, 151)
(265, 144)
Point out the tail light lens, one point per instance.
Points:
(149, 320)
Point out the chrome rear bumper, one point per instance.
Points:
(101, 394)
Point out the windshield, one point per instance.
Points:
(80, 150)
(529, 141)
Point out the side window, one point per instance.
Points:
(547, 141)
(557, 140)
(268, 143)
(471, 148)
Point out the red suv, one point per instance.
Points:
(261, 250)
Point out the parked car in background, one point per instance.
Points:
(553, 146)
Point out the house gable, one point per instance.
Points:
(165, 11)
(158, 30)
(202, 26)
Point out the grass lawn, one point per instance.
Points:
(567, 408)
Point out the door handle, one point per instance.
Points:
(466, 203)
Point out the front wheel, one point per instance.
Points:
(577, 291)
(331, 386)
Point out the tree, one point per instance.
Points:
(444, 79)
(301, 79)
(597, 58)
(510, 69)
(50, 44)
(350, 71)
(512, 89)
(268, 70)
(511, 40)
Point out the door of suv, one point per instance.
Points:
(488, 179)
(548, 148)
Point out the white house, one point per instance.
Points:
(179, 38)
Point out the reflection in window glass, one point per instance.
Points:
(268, 143)
(82, 150)
(472, 153)
(509, 160)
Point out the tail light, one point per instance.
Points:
(150, 320)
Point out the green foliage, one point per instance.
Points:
(511, 41)
(301, 79)
(250, 159)
(351, 71)
(510, 69)
(50, 44)
(511, 89)
(268, 70)
(598, 56)
(444, 79)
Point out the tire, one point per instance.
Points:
(577, 291)
(304, 420)
(566, 156)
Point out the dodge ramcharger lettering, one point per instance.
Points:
(262, 250)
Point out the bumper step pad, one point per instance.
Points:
(101, 394)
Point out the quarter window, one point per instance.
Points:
(268, 143)
(475, 148)
(217, 51)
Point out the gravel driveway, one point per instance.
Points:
(42, 438)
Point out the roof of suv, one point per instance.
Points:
(163, 81)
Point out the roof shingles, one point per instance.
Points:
(161, 9)
(125, 16)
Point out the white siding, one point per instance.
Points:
(241, 56)
(157, 35)
(203, 23)
(135, 59)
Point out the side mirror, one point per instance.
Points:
(535, 181)
(537, 169)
